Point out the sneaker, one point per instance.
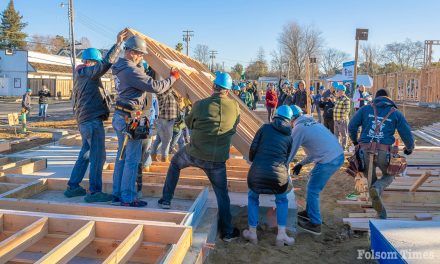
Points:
(98, 197)
(135, 203)
(250, 236)
(303, 215)
(116, 201)
(377, 203)
(79, 191)
(164, 204)
(231, 237)
(284, 240)
(310, 227)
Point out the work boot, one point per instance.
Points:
(79, 191)
(303, 215)
(283, 239)
(98, 197)
(165, 159)
(116, 200)
(251, 235)
(135, 203)
(154, 157)
(164, 204)
(309, 227)
(377, 203)
(231, 237)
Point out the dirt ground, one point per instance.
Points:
(65, 124)
(420, 116)
(9, 134)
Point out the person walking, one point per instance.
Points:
(212, 122)
(341, 112)
(26, 107)
(269, 173)
(43, 101)
(91, 108)
(271, 101)
(323, 149)
(134, 83)
(379, 122)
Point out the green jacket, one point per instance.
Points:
(212, 122)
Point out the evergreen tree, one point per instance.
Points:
(11, 34)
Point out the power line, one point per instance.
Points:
(212, 54)
(187, 34)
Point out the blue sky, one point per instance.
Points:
(236, 28)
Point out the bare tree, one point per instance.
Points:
(405, 55)
(299, 43)
(236, 71)
(201, 53)
(370, 59)
(331, 61)
(47, 44)
(276, 63)
(85, 43)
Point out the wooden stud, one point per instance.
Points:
(127, 248)
(420, 181)
(71, 246)
(19, 241)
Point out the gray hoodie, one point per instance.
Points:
(132, 83)
(320, 145)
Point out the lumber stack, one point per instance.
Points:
(195, 84)
(430, 134)
(415, 195)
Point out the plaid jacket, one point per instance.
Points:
(168, 106)
(341, 111)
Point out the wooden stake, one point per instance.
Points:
(420, 181)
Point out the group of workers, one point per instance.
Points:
(211, 123)
(26, 105)
(248, 93)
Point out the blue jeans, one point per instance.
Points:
(163, 136)
(125, 173)
(319, 176)
(216, 172)
(178, 138)
(93, 152)
(42, 110)
(253, 207)
(146, 152)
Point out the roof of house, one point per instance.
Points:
(43, 67)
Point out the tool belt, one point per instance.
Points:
(137, 126)
(356, 163)
(373, 147)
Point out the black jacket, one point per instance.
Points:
(43, 96)
(269, 152)
(89, 98)
(327, 106)
(300, 99)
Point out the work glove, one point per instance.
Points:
(360, 183)
(175, 73)
(407, 151)
(296, 170)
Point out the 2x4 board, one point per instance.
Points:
(16, 165)
(46, 195)
(34, 237)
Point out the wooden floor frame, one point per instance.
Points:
(18, 165)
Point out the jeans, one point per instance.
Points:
(270, 113)
(163, 136)
(93, 152)
(341, 131)
(126, 169)
(253, 207)
(216, 172)
(42, 112)
(319, 176)
(381, 161)
(146, 152)
(178, 138)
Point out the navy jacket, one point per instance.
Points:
(89, 98)
(364, 118)
(268, 153)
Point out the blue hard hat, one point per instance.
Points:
(321, 87)
(236, 88)
(223, 80)
(285, 112)
(296, 111)
(286, 82)
(28, 90)
(92, 54)
(335, 84)
(242, 85)
(296, 85)
(341, 87)
(312, 88)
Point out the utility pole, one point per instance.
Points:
(71, 15)
(361, 34)
(212, 57)
(187, 34)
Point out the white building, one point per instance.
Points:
(20, 69)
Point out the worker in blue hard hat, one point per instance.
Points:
(213, 122)
(91, 107)
(268, 174)
(321, 148)
(236, 90)
(316, 99)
